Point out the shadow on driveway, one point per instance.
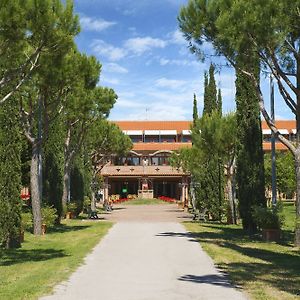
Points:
(213, 279)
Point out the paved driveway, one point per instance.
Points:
(147, 255)
(147, 213)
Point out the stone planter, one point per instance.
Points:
(271, 235)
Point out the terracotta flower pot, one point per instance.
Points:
(44, 229)
(271, 235)
(69, 215)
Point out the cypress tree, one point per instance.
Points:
(195, 111)
(10, 176)
(210, 93)
(53, 167)
(205, 96)
(250, 161)
(219, 102)
(211, 176)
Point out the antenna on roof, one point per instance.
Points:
(146, 115)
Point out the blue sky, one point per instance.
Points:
(146, 61)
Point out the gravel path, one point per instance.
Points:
(147, 258)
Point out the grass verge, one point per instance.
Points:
(264, 270)
(44, 261)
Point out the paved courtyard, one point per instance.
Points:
(147, 255)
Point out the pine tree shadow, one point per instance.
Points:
(18, 256)
(275, 266)
(66, 228)
(214, 279)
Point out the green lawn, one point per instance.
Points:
(44, 261)
(263, 270)
(138, 201)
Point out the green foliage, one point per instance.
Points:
(49, 216)
(77, 187)
(214, 145)
(10, 176)
(237, 29)
(250, 164)
(219, 102)
(26, 221)
(285, 173)
(268, 217)
(86, 204)
(195, 110)
(53, 167)
(72, 207)
(210, 92)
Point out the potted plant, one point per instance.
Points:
(270, 220)
(71, 210)
(48, 218)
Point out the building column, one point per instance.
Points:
(186, 195)
(106, 190)
(182, 191)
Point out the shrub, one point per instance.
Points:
(268, 217)
(86, 204)
(26, 221)
(49, 215)
(72, 207)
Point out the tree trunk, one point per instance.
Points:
(297, 226)
(36, 189)
(230, 196)
(67, 172)
(66, 187)
(93, 202)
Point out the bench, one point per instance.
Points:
(92, 214)
(200, 215)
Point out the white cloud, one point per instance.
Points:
(169, 83)
(126, 103)
(140, 45)
(164, 61)
(94, 24)
(176, 37)
(178, 62)
(110, 80)
(114, 68)
(136, 46)
(112, 53)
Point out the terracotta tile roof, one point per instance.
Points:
(185, 125)
(160, 146)
(154, 125)
(278, 146)
(281, 124)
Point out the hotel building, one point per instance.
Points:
(146, 172)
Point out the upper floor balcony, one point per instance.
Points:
(110, 170)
